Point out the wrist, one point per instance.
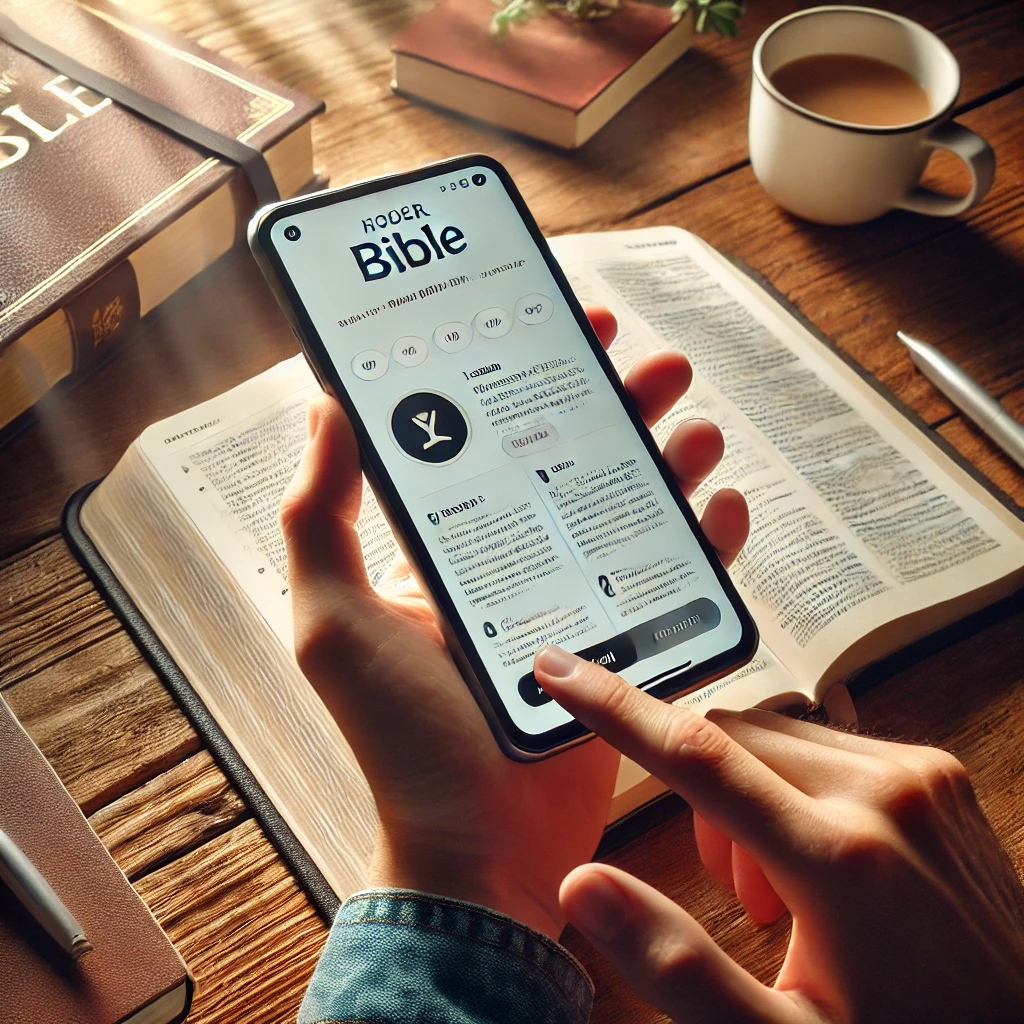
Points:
(467, 878)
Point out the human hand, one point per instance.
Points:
(457, 817)
(905, 907)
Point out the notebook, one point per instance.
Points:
(133, 974)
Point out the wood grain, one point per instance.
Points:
(243, 926)
(103, 720)
(179, 810)
(49, 610)
(238, 667)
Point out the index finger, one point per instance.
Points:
(727, 786)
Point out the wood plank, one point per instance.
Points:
(49, 611)
(688, 125)
(167, 817)
(983, 453)
(691, 125)
(667, 858)
(243, 926)
(170, 365)
(967, 698)
(103, 720)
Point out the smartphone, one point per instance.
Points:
(528, 494)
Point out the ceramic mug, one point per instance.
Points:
(834, 172)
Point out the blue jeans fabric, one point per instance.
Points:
(396, 956)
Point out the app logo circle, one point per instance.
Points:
(429, 428)
(453, 336)
(370, 365)
(409, 351)
(479, 179)
(493, 322)
(292, 233)
(534, 308)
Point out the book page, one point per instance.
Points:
(854, 521)
(228, 461)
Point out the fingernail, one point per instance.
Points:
(599, 907)
(555, 662)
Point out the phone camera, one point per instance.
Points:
(479, 179)
(292, 233)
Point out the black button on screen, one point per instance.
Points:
(530, 691)
(615, 654)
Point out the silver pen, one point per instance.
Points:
(39, 899)
(993, 418)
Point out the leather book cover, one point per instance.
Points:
(565, 62)
(83, 181)
(132, 963)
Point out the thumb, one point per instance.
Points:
(664, 953)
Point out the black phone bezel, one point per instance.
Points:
(515, 741)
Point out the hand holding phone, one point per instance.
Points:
(529, 497)
(458, 817)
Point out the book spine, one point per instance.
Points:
(100, 316)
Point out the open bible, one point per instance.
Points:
(865, 535)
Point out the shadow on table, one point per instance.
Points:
(971, 280)
(927, 689)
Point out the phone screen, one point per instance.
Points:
(524, 480)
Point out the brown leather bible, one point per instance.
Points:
(103, 213)
(133, 973)
(553, 79)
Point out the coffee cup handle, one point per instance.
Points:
(980, 160)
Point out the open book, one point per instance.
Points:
(865, 536)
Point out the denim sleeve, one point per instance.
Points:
(395, 956)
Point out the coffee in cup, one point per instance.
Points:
(846, 106)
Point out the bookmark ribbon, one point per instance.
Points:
(252, 162)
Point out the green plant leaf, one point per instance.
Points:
(720, 15)
(515, 12)
(724, 16)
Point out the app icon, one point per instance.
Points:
(452, 337)
(409, 351)
(370, 365)
(534, 308)
(493, 322)
(429, 428)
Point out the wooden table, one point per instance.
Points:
(677, 155)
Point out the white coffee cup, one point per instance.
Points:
(834, 172)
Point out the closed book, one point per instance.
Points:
(554, 78)
(103, 213)
(133, 975)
